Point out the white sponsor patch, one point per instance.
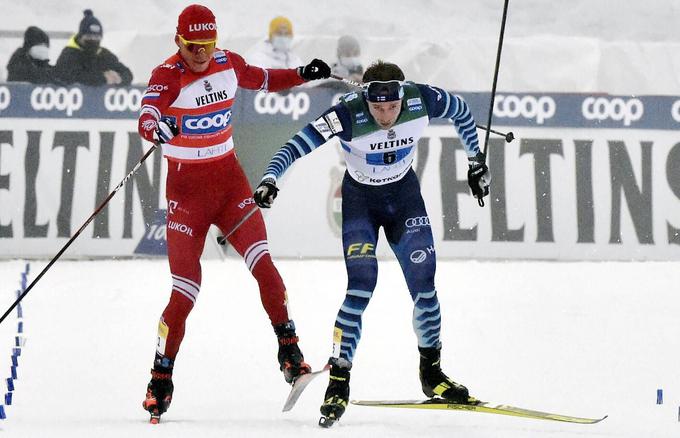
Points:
(414, 101)
(333, 122)
(322, 128)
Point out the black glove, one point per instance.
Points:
(317, 69)
(479, 177)
(166, 130)
(265, 193)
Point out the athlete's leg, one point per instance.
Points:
(410, 236)
(250, 241)
(186, 230)
(185, 236)
(359, 239)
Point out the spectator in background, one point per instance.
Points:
(275, 52)
(30, 62)
(349, 64)
(84, 61)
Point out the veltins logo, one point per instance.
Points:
(206, 123)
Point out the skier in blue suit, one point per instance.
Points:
(378, 129)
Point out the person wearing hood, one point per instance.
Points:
(85, 61)
(348, 65)
(30, 62)
(275, 52)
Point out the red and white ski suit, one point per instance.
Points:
(206, 184)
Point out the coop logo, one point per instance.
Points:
(59, 99)
(292, 104)
(422, 221)
(675, 109)
(206, 123)
(528, 107)
(122, 99)
(617, 109)
(5, 98)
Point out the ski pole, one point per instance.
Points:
(508, 137)
(222, 240)
(80, 230)
(480, 201)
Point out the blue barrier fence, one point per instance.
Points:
(19, 342)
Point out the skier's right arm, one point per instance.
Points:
(163, 89)
(334, 122)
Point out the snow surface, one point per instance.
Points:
(584, 339)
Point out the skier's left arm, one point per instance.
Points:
(444, 105)
(276, 79)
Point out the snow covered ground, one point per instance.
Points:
(585, 339)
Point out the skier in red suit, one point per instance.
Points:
(187, 109)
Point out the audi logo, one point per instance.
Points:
(422, 221)
(294, 104)
(617, 109)
(122, 99)
(5, 98)
(60, 99)
(528, 107)
(675, 110)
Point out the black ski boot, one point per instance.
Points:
(158, 393)
(435, 383)
(337, 393)
(291, 361)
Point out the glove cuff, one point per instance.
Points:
(269, 179)
(480, 158)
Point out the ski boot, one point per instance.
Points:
(435, 383)
(158, 394)
(337, 393)
(291, 361)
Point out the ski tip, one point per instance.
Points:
(327, 422)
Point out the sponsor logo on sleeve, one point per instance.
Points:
(322, 128)
(220, 57)
(333, 122)
(351, 96)
(414, 104)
